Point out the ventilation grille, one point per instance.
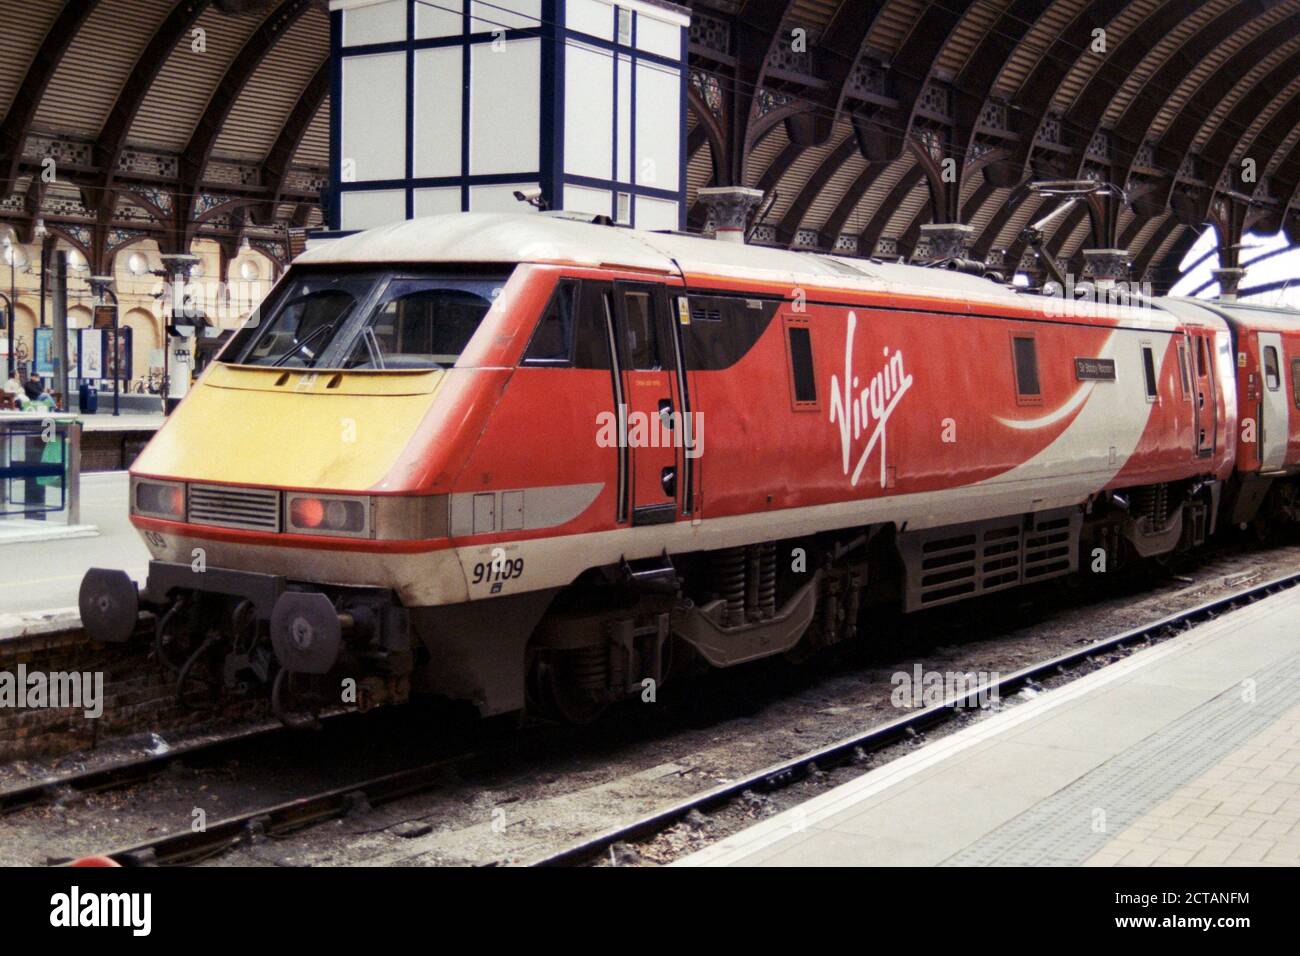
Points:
(226, 507)
(1048, 550)
(962, 565)
(949, 564)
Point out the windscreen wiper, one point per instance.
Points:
(298, 347)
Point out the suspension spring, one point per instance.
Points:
(753, 565)
(728, 576)
(767, 580)
(589, 668)
(1160, 508)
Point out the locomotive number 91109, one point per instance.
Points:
(498, 570)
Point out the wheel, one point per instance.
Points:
(569, 685)
(1264, 529)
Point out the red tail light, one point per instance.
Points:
(329, 514)
(307, 512)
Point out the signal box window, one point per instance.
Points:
(552, 342)
(1272, 375)
(1149, 372)
(802, 375)
(1025, 352)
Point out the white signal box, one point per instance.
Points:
(455, 105)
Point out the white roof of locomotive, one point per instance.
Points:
(471, 237)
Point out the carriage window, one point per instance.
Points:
(1200, 355)
(643, 334)
(1295, 381)
(1182, 371)
(422, 324)
(801, 364)
(552, 342)
(1149, 372)
(1025, 351)
(1272, 374)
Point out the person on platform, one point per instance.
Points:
(35, 398)
(14, 390)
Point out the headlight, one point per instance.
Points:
(159, 499)
(382, 517)
(328, 514)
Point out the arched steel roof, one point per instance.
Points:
(870, 119)
(864, 120)
(164, 120)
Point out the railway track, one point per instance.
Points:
(126, 773)
(188, 846)
(252, 826)
(786, 773)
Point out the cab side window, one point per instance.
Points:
(591, 327)
(552, 342)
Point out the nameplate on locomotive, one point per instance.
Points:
(1094, 369)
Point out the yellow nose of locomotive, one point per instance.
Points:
(291, 428)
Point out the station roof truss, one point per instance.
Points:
(126, 120)
(862, 121)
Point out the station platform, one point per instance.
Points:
(1186, 753)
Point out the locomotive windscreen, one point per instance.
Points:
(365, 320)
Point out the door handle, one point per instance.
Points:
(668, 478)
(666, 412)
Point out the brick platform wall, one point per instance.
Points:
(110, 450)
(139, 696)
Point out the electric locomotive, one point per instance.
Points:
(534, 463)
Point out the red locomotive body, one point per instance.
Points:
(646, 442)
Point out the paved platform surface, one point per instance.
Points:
(1187, 753)
(105, 420)
(43, 575)
(127, 421)
(15, 530)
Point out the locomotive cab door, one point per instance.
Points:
(1200, 343)
(1273, 407)
(647, 364)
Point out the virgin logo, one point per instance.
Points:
(862, 410)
